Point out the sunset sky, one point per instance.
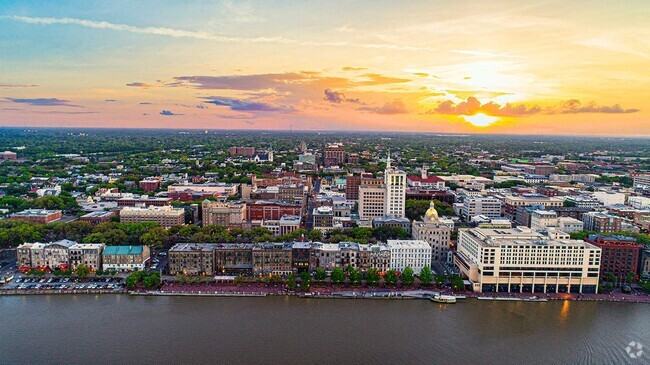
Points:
(535, 67)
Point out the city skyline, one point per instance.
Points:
(450, 67)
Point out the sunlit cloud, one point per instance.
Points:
(43, 102)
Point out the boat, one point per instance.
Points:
(447, 299)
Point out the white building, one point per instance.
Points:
(608, 198)
(395, 196)
(542, 219)
(481, 205)
(639, 202)
(415, 254)
(524, 261)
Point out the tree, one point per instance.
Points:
(355, 276)
(320, 274)
(338, 275)
(291, 282)
(441, 279)
(156, 236)
(390, 278)
(305, 280)
(151, 280)
(457, 282)
(426, 277)
(372, 277)
(630, 277)
(407, 276)
(315, 235)
(83, 270)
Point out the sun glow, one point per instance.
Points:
(480, 119)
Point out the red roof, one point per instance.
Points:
(429, 179)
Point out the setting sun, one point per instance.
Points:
(480, 119)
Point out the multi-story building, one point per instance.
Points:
(415, 254)
(333, 255)
(395, 196)
(272, 259)
(523, 260)
(52, 255)
(425, 181)
(38, 215)
(435, 233)
(291, 193)
(8, 155)
(371, 201)
(97, 217)
(334, 154)
(149, 185)
(265, 210)
(125, 258)
(644, 264)
(233, 259)
(300, 256)
(166, 216)
(542, 219)
(284, 225)
(226, 214)
(241, 151)
(142, 200)
(569, 225)
(192, 259)
(352, 183)
(620, 254)
(395, 222)
(185, 192)
(601, 222)
(582, 201)
(323, 217)
(481, 205)
(88, 254)
(375, 256)
(641, 180)
(511, 202)
(609, 198)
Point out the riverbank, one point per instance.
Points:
(327, 292)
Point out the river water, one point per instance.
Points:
(121, 329)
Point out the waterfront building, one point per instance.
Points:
(192, 259)
(38, 215)
(233, 258)
(436, 233)
(272, 259)
(413, 253)
(522, 260)
(375, 256)
(166, 216)
(52, 255)
(300, 256)
(333, 255)
(88, 254)
(620, 254)
(125, 258)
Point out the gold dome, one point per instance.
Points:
(432, 214)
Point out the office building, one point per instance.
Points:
(415, 254)
(434, 232)
(166, 216)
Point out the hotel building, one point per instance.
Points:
(521, 260)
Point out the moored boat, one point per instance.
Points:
(447, 299)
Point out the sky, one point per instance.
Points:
(521, 67)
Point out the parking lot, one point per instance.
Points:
(63, 283)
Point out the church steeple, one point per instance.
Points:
(388, 160)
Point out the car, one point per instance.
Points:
(162, 254)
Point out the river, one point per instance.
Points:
(122, 329)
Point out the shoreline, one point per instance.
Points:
(385, 295)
